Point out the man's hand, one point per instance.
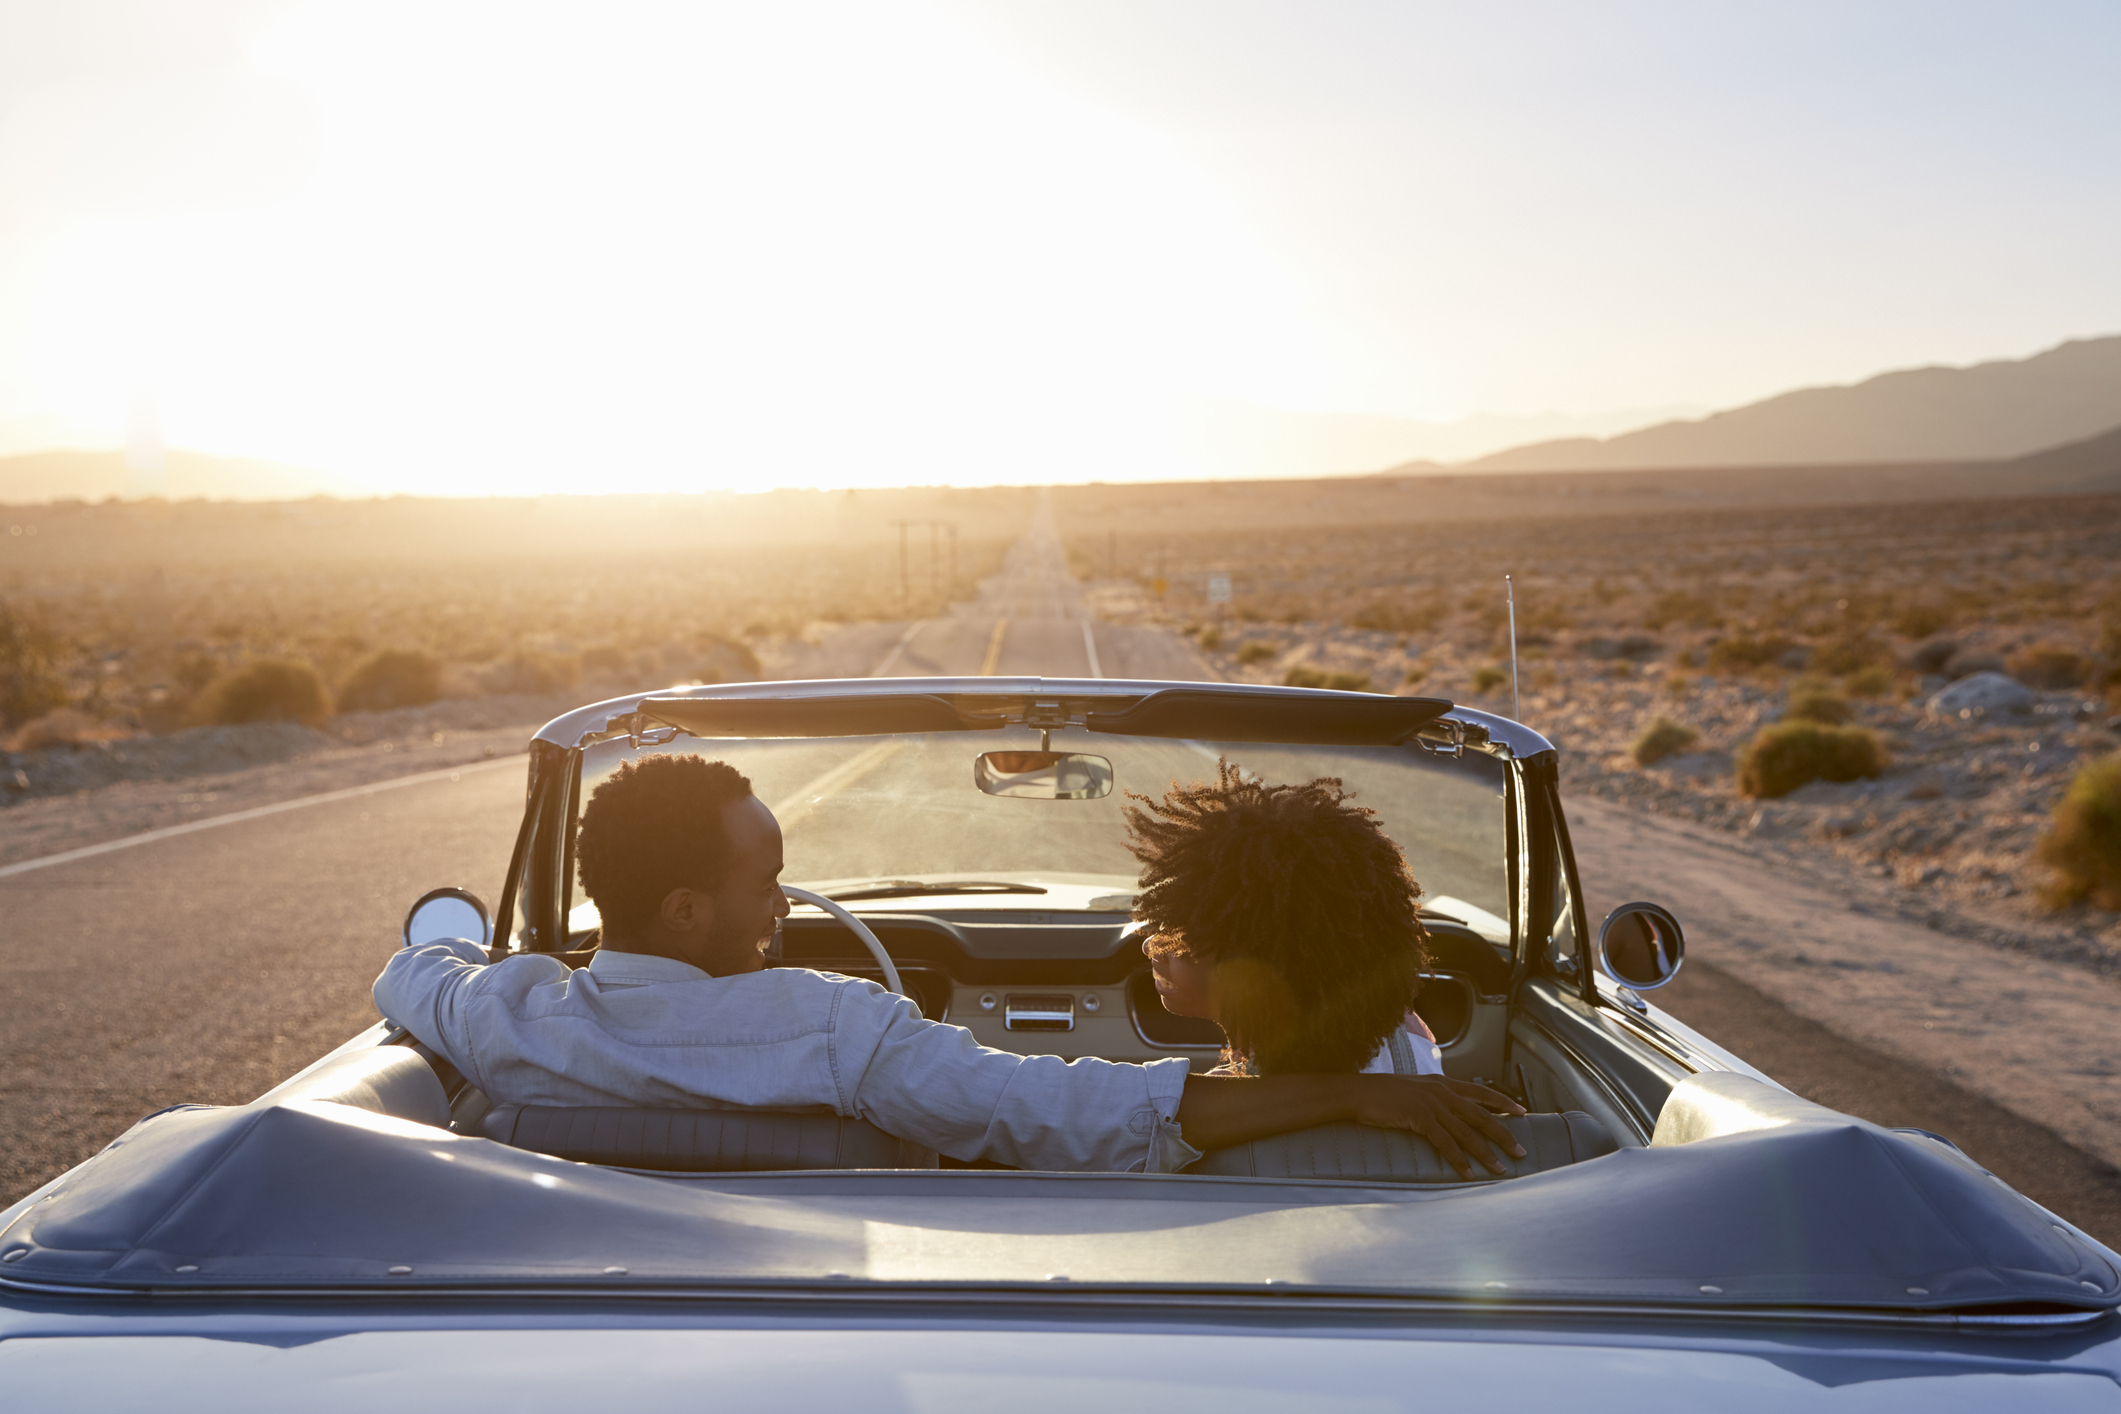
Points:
(1456, 1116)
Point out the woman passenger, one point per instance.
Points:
(1285, 914)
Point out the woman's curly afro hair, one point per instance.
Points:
(653, 826)
(1303, 904)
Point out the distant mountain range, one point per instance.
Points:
(1988, 412)
(93, 476)
(2053, 419)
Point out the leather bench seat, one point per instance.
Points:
(1356, 1151)
(702, 1141)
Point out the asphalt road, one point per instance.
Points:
(206, 967)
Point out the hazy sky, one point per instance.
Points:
(508, 246)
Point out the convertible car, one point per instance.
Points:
(1682, 1233)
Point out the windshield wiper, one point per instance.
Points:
(908, 888)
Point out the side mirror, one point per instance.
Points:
(1640, 946)
(448, 913)
(1042, 775)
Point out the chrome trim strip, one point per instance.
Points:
(568, 729)
(1038, 1012)
(855, 1291)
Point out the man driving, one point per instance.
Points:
(677, 1010)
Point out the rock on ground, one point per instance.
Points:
(1986, 694)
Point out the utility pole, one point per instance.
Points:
(935, 557)
(905, 593)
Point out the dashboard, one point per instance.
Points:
(1071, 984)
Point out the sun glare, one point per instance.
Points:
(692, 247)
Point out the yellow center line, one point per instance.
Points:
(994, 648)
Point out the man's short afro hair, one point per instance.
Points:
(653, 826)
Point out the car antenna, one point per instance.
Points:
(1509, 596)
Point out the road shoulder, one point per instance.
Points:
(2029, 1034)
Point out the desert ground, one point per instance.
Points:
(1715, 622)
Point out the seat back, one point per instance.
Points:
(390, 1080)
(1357, 1151)
(702, 1141)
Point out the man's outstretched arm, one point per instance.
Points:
(1456, 1116)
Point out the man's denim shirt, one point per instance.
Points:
(633, 1029)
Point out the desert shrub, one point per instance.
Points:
(1663, 737)
(1816, 704)
(1744, 651)
(606, 659)
(62, 726)
(2110, 628)
(1681, 606)
(1919, 621)
(1932, 656)
(195, 671)
(395, 677)
(1687, 658)
(1487, 677)
(2049, 665)
(1677, 684)
(270, 690)
(1848, 653)
(1257, 652)
(530, 672)
(1211, 638)
(725, 659)
(1540, 616)
(1314, 677)
(1415, 674)
(1784, 756)
(1874, 681)
(1400, 616)
(1622, 668)
(2083, 846)
(30, 684)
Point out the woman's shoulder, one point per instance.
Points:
(1419, 1046)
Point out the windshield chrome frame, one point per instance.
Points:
(535, 893)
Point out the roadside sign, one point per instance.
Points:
(1157, 586)
(1218, 589)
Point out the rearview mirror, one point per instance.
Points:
(1042, 775)
(1640, 946)
(448, 913)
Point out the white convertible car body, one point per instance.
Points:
(1683, 1234)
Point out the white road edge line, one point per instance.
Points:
(891, 658)
(90, 851)
(1090, 650)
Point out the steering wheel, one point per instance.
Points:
(861, 930)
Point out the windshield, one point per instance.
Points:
(869, 810)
